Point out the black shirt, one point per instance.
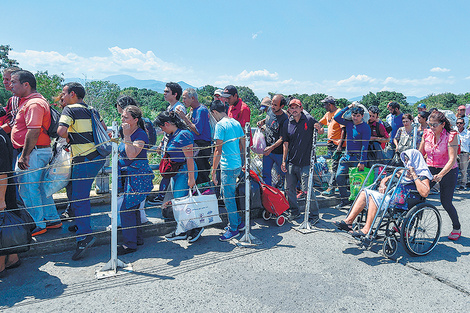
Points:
(299, 135)
(275, 125)
(6, 159)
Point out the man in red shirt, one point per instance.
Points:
(7, 121)
(237, 108)
(29, 136)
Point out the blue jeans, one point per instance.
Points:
(346, 161)
(228, 181)
(268, 162)
(296, 174)
(131, 230)
(31, 188)
(83, 174)
(180, 181)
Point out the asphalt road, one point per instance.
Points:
(323, 271)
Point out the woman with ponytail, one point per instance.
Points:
(439, 146)
(179, 149)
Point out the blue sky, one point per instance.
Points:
(341, 48)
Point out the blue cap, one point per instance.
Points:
(422, 106)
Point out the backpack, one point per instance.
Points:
(55, 117)
(151, 132)
(388, 127)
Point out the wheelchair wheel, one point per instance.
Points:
(390, 246)
(421, 229)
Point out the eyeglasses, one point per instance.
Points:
(461, 123)
(434, 125)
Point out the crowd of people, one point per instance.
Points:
(206, 146)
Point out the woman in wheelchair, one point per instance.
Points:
(417, 178)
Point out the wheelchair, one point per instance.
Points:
(417, 227)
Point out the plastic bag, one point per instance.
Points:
(195, 211)
(100, 136)
(356, 178)
(15, 235)
(259, 142)
(348, 114)
(58, 174)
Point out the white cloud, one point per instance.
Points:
(255, 35)
(129, 61)
(355, 80)
(468, 77)
(439, 69)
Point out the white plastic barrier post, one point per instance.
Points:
(110, 269)
(305, 227)
(247, 238)
(415, 135)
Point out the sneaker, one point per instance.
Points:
(67, 215)
(38, 231)
(329, 192)
(82, 246)
(173, 236)
(241, 226)
(313, 220)
(194, 234)
(229, 234)
(301, 196)
(155, 201)
(292, 216)
(343, 204)
(121, 250)
(53, 225)
(73, 228)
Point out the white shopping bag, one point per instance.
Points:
(195, 211)
(58, 173)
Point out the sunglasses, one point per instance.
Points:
(460, 123)
(434, 125)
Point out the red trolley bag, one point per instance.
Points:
(273, 200)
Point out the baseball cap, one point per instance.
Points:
(218, 92)
(295, 101)
(230, 90)
(462, 107)
(329, 99)
(421, 106)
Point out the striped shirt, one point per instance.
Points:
(77, 117)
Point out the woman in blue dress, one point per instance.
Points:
(135, 176)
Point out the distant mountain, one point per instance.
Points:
(124, 81)
(413, 99)
(409, 99)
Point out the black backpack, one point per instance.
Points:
(55, 117)
(388, 128)
(151, 132)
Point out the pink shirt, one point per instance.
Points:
(437, 154)
(33, 113)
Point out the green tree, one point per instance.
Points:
(248, 96)
(103, 95)
(370, 99)
(5, 61)
(50, 86)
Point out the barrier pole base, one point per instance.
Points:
(110, 269)
(248, 240)
(305, 228)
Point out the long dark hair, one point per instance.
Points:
(438, 115)
(135, 112)
(170, 117)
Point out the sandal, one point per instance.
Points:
(14, 265)
(454, 235)
(342, 225)
(357, 234)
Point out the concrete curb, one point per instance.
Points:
(55, 241)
